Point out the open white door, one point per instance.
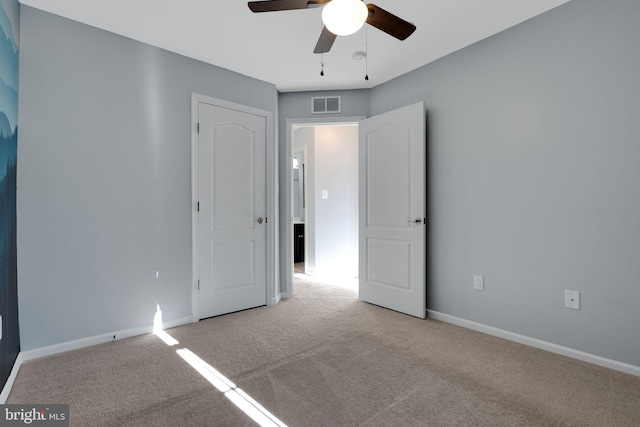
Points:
(232, 210)
(392, 165)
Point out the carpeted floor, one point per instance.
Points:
(326, 359)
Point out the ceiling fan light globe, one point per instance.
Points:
(344, 17)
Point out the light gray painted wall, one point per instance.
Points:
(104, 180)
(336, 218)
(534, 176)
(297, 105)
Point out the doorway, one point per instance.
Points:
(299, 194)
(323, 199)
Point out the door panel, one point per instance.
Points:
(392, 208)
(388, 178)
(225, 273)
(388, 263)
(233, 177)
(232, 195)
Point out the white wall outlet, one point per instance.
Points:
(478, 282)
(325, 194)
(572, 299)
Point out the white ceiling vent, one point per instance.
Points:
(325, 104)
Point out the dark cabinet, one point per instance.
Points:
(298, 242)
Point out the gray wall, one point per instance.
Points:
(534, 176)
(104, 180)
(336, 218)
(297, 105)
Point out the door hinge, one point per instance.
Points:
(198, 284)
(198, 128)
(198, 206)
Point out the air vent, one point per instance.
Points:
(326, 104)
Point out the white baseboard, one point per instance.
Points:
(99, 339)
(534, 342)
(276, 299)
(12, 377)
(50, 350)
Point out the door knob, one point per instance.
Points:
(415, 221)
(259, 220)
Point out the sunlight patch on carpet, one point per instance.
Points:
(237, 396)
(338, 281)
(168, 339)
(241, 399)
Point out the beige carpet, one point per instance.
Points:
(326, 359)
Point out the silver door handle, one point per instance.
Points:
(259, 220)
(415, 221)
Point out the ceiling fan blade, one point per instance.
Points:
(325, 41)
(276, 5)
(389, 23)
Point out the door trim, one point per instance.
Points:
(273, 294)
(287, 215)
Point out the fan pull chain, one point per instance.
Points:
(366, 53)
(321, 53)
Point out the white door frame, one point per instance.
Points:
(273, 294)
(288, 190)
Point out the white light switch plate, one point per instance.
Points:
(325, 194)
(572, 299)
(478, 283)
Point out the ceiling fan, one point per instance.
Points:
(341, 18)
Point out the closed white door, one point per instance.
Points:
(392, 210)
(232, 208)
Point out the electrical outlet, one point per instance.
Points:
(572, 299)
(478, 283)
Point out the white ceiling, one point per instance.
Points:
(277, 47)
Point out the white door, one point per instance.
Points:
(392, 210)
(232, 203)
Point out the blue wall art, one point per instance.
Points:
(9, 39)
